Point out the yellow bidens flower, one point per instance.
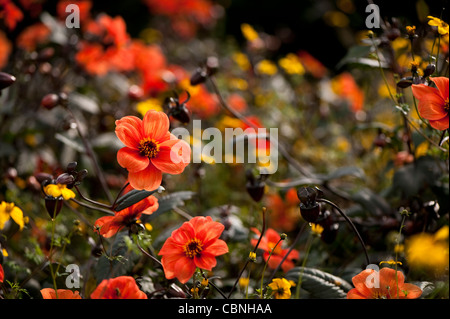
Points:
(10, 210)
(442, 26)
(281, 288)
(150, 104)
(248, 32)
(291, 64)
(316, 229)
(242, 61)
(266, 67)
(390, 262)
(59, 190)
(429, 251)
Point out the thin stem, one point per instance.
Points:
(92, 201)
(254, 251)
(119, 193)
(110, 212)
(51, 255)
(265, 266)
(300, 277)
(213, 285)
(382, 72)
(350, 223)
(288, 252)
(147, 254)
(92, 156)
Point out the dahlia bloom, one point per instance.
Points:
(150, 149)
(123, 287)
(49, 293)
(195, 244)
(433, 102)
(387, 286)
(108, 226)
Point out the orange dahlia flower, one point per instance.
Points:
(383, 285)
(123, 287)
(433, 102)
(150, 149)
(108, 226)
(268, 242)
(195, 244)
(49, 293)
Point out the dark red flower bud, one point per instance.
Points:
(50, 101)
(309, 208)
(53, 205)
(199, 76)
(6, 80)
(429, 70)
(65, 179)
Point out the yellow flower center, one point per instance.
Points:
(148, 147)
(446, 107)
(193, 248)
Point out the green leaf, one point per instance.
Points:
(120, 261)
(169, 202)
(320, 284)
(134, 196)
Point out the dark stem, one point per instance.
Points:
(92, 156)
(147, 254)
(350, 223)
(254, 251)
(90, 200)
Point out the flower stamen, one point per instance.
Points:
(193, 248)
(148, 148)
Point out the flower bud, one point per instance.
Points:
(53, 205)
(212, 65)
(199, 76)
(71, 167)
(6, 80)
(50, 101)
(309, 208)
(429, 70)
(65, 179)
(181, 114)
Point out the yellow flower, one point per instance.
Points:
(243, 282)
(390, 262)
(10, 210)
(316, 229)
(57, 190)
(281, 288)
(252, 256)
(429, 251)
(241, 60)
(248, 32)
(266, 67)
(291, 64)
(441, 25)
(150, 104)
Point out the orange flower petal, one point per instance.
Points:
(128, 134)
(441, 124)
(156, 126)
(355, 294)
(205, 261)
(431, 103)
(442, 85)
(148, 179)
(131, 159)
(359, 281)
(413, 291)
(173, 156)
(184, 269)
